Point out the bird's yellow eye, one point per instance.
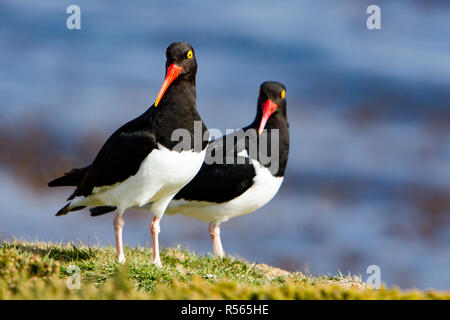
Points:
(189, 54)
(283, 94)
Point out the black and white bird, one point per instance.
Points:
(241, 181)
(140, 163)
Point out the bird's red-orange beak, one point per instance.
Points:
(268, 108)
(172, 73)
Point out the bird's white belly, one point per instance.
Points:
(162, 173)
(264, 188)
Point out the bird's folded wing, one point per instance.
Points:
(120, 157)
(218, 183)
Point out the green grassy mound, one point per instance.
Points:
(36, 270)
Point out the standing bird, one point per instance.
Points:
(140, 162)
(241, 181)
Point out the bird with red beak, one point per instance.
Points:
(140, 163)
(221, 191)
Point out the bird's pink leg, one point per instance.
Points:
(118, 226)
(154, 230)
(214, 232)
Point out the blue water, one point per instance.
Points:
(369, 115)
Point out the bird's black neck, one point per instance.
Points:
(176, 110)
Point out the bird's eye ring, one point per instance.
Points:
(189, 54)
(283, 94)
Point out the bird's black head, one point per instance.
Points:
(180, 64)
(183, 55)
(271, 102)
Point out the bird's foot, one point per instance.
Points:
(157, 263)
(121, 259)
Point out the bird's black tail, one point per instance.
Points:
(71, 178)
(97, 211)
(67, 208)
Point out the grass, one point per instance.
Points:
(37, 270)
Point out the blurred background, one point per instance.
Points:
(368, 179)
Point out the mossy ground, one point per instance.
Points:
(37, 270)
